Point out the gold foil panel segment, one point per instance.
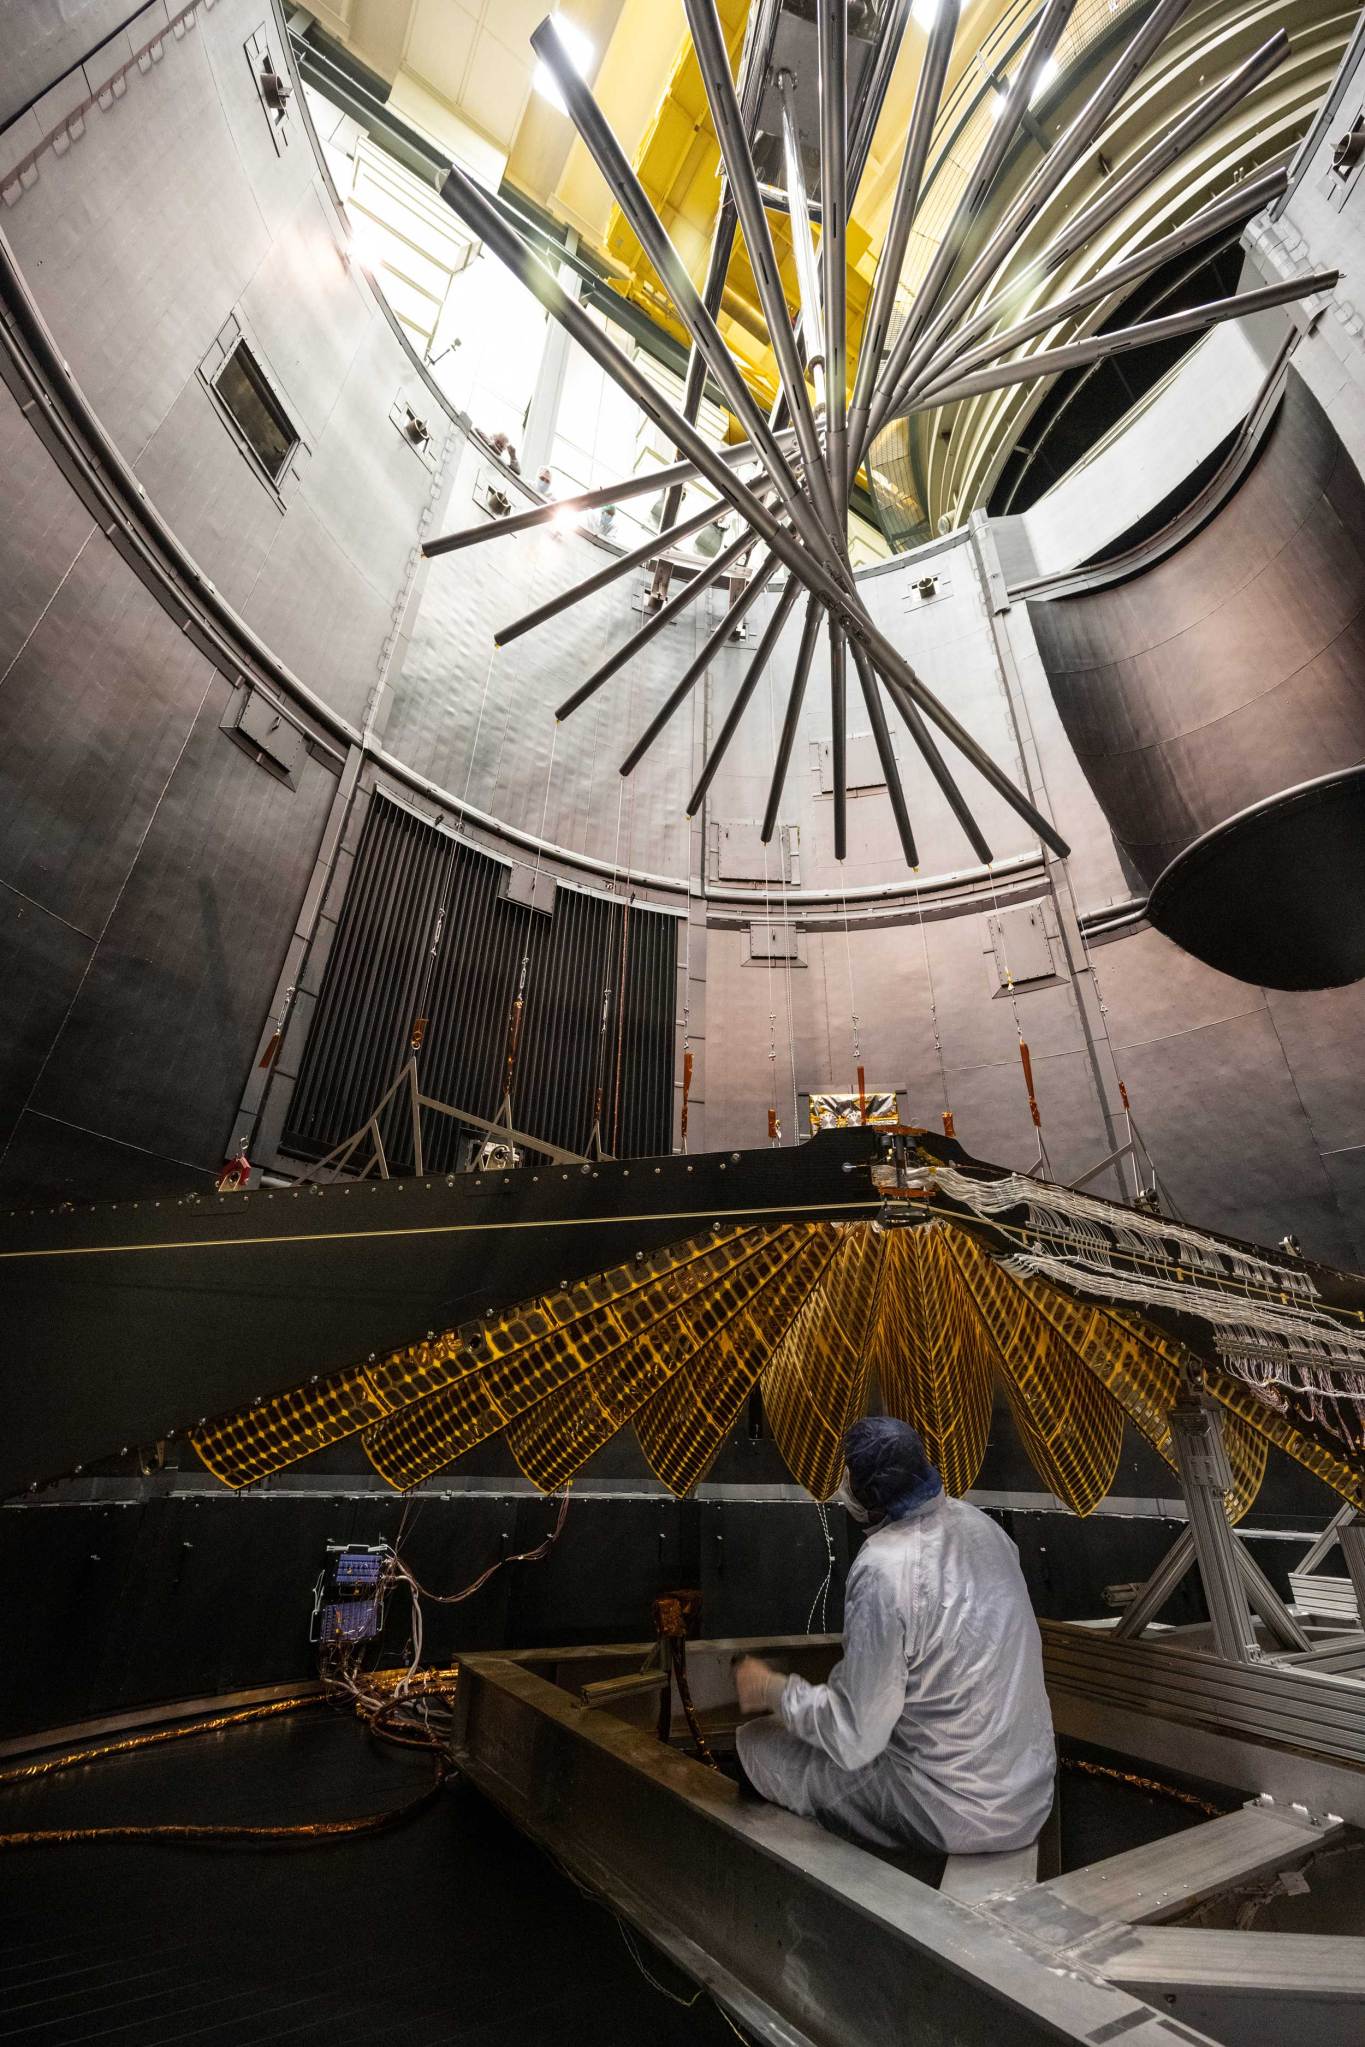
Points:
(815, 1382)
(563, 1430)
(1071, 1428)
(685, 1422)
(253, 1442)
(932, 1357)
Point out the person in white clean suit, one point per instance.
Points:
(934, 1728)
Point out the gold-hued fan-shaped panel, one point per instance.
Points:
(831, 1318)
(932, 1354)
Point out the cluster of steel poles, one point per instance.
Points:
(804, 456)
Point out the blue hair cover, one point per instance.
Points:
(889, 1472)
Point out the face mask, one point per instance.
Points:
(845, 1499)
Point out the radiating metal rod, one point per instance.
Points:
(891, 262)
(1238, 205)
(772, 633)
(938, 768)
(1070, 146)
(679, 473)
(832, 37)
(696, 668)
(1051, 21)
(712, 292)
(739, 167)
(630, 195)
(803, 244)
(810, 632)
(1119, 191)
(838, 714)
(1048, 361)
(895, 17)
(621, 565)
(473, 206)
(654, 624)
(886, 753)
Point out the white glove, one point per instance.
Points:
(758, 1685)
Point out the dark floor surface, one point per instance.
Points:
(451, 1928)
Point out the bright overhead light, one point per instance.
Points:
(577, 47)
(925, 12)
(1043, 81)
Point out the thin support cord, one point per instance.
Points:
(852, 993)
(478, 725)
(821, 1598)
(933, 1018)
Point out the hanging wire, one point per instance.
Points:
(858, 1088)
(478, 724)
(948, 1129)
(821, 1598)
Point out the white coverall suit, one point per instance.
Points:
(934, 1727)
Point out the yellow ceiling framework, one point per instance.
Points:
(463, 70)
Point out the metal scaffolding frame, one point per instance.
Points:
(951, 346)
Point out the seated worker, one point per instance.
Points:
(934, 1729)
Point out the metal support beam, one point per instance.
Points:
(1051, 21)
(696, 668)
(1148, 1601)
(928, 93)
(657, 544)
(1119, 191)
(655, 624)
(1238, 205)
(1066, 152)
(838, 712)
(772, 633)
(711, 55)
(1351, 1536)
(606, 152)
(822, 578)
(832, 34)
(1205, 1480)
(876, 712)
(679, 473)
(1267, 1603)
(810, 632)
(1049, 362)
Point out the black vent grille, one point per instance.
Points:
(424, 932)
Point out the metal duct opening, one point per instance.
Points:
(425, 933)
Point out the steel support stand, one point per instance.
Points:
(1205, 1480)
(1351, 1536)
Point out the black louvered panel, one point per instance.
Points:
(425, 931)
(365, 1006)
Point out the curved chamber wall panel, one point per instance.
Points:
(1217, 705)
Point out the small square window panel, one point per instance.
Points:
(245, 394)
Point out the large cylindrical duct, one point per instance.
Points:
(1217, 705)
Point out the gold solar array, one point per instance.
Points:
(815, 1384)
(254, 1442)
(828, 1314)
